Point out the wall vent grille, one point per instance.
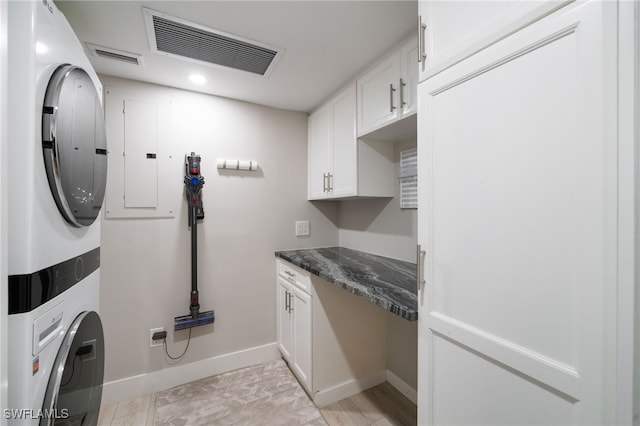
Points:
(176, 37)
(116, 55)
(409, 179)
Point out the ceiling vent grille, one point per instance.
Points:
(179, 38)
(113, 54)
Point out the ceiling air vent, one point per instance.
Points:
(116, 55)
(176, 37)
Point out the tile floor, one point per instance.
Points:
(260, 395)
(265, 394)
(382, 405)
(135, 412)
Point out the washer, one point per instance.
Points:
(57, 175)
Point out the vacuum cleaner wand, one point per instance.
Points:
(193, 182)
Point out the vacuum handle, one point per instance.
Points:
(194, 249)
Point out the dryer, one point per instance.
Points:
(56, 181)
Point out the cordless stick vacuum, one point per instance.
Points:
(193, 182)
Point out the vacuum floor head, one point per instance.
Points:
(189, 321)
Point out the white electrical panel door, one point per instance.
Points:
(145, 175)
(140, 155)
(517, 152)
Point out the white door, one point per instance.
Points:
(517, 215)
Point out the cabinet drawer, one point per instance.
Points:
(297, 276)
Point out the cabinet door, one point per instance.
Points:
(302, 336)
(344, 178)
(408, 91)
(517, 152)
(283, 318)
(319, 153)
(454, 30)
(378, 95)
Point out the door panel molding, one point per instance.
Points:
(560, 376)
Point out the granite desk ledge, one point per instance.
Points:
(386, 282)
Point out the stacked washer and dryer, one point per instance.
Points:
(57, 175)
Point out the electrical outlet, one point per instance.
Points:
(154, 343)
(302, 228)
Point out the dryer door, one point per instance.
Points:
(74, 145)
(75, 386)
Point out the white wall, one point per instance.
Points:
(381, 227)
(145, 262)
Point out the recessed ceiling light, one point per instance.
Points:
(198, 79)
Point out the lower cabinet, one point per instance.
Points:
(285, 319)
(301, 336)
(333, 341)
(294, 329)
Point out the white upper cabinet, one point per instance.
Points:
(409, 72)
(332, 148)
(377, 99)
(349, 149)
(344, 177)
(340, 165)
(320, 152)
(449, 31)
(387, 92)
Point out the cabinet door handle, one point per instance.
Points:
(324, 182)
(286, 300)
(422, 54)
(402, 101)
(391, 90)
(290, 304)
(330, 180)
(420, 256)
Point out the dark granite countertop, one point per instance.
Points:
(389, 283)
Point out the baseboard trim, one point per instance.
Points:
(351, 387)
(402, 387)
(155, 381)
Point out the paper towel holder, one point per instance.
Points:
(237, 165)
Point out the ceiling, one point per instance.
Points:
(326, 43)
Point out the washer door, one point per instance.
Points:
(75, 386)
(74, 143)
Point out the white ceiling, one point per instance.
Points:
(326, 43)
